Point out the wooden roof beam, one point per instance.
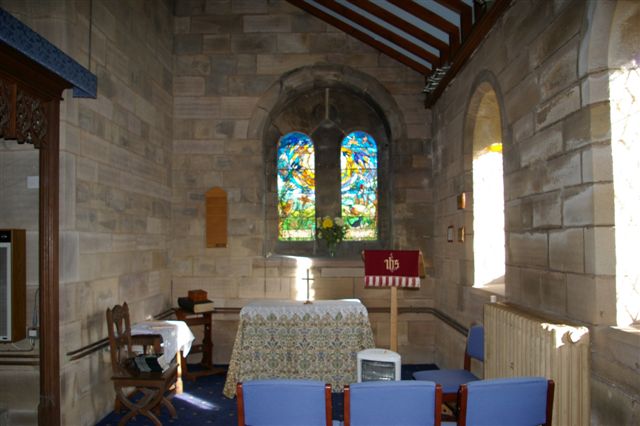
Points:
(372, 8)
(432, 18)
(380, 30)
(365, 38)
(464, 10)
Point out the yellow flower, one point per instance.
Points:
(327, 222)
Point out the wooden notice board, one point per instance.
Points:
(216, 217)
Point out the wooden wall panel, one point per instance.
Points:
(216, 217)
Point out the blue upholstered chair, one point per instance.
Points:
(450, 380)
(515, 401)
(392, 403)
(284, 403)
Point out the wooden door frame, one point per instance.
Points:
(25, 82)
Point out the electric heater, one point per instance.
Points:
(378, 364)
(13, 315)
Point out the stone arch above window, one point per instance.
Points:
(328, 114)
(620, 248)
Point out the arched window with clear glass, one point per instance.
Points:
(296, 188)
(359, 192)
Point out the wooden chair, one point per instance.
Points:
(391, 403)
(281, 402)
(514, 401)
(155, 387)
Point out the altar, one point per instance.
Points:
(293, 340)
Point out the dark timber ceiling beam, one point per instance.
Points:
(365, 38)
(380, 30)
(462, 9)
(432, 18)
(407, 27)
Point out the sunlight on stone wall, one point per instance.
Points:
(624, 86)
(304, 277)
(488, 217)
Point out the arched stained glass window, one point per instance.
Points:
(296, 188)
(359, 177)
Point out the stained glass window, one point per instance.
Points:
(359, 172)
(296, 188)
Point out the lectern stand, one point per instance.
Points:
(393, 269)
(206, 347)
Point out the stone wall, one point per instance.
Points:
(115, 181)
(234, 61)
(179, 107)
(559, 203)
(19, 210)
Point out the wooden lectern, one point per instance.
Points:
(393, 268)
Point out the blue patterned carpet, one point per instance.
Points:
(202, 403)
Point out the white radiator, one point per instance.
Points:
(518, 343)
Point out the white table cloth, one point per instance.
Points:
(292, 308)
(176, 336)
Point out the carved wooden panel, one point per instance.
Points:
(5, 109)
(22, 116)
(216, 217)
(32, 120)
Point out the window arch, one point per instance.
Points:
(359, 186)
(485, 127)
(296, 187)
(326, 116)
(620, 249)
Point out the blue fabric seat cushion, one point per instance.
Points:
(450, 380)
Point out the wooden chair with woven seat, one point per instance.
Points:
(151, 389)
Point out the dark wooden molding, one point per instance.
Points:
(464, 10)
(19, 358)
(35, 118)
(406, 26)
(416, 66)
(478, 33)
(380, 30)
(432, 18)
(451, 322)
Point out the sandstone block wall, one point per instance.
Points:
(115, 183)
(558, 183)
(229, 59)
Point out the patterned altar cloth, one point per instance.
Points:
(291, 340)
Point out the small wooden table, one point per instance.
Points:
(205, 347)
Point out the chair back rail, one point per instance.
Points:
(389, 403)
(515, 401)
(280, 402)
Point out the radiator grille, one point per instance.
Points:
(518, 343)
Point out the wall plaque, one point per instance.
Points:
(216, 217)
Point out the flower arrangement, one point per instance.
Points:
(331, 230)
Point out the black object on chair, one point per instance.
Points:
(156, 387)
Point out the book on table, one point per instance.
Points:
(195, 307)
